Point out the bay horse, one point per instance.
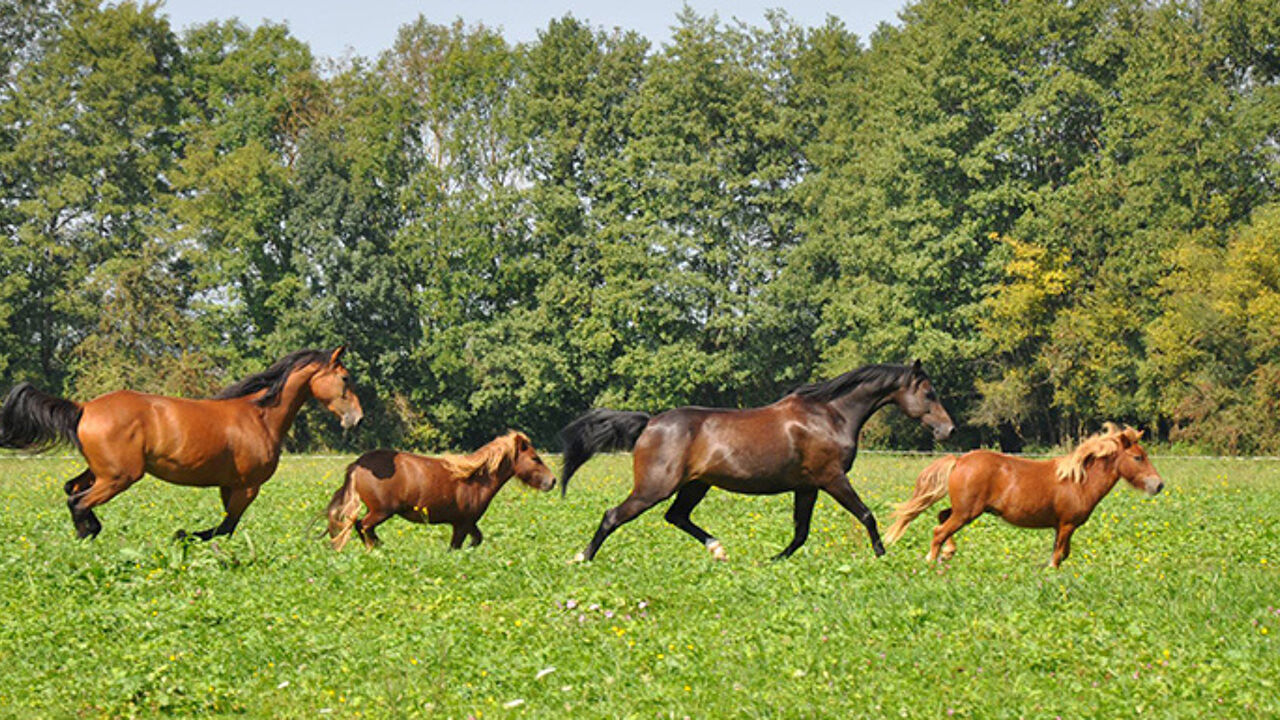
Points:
(453, 489)
(803, 443)
(1057, 493)
(231, 441)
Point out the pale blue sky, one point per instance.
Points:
(330, 27)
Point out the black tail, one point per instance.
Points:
(32, 420)
(594, 431)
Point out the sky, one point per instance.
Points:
(335, 28)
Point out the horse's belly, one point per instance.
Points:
(194, 470)
(753, 485)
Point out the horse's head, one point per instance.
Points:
(331, 386)
(1134, 465)
(528, 466)
(917, 399)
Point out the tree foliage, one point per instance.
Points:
(1067, 210)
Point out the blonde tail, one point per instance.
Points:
(930, 487)
(342, 511)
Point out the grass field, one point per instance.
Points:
(1168, 607)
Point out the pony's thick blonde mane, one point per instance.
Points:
(1097, 446)
(487, 459)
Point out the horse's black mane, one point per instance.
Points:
(879, 377)
(273, 378)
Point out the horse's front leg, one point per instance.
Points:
(234, 502)
(839, 488)
(1062, 544)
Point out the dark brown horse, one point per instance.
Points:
(803, 443)
(453, 489)
(1059, 493)
(232, 441)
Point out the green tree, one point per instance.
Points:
(89, 117)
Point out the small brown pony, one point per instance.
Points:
(1058, 493)
(231, 441)
(454, 489)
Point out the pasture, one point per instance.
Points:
(1168, 607)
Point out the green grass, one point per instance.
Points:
(1168, 607)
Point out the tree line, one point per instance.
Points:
(1067, 211)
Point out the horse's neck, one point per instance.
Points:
(1099, 479)
(490, 484)
(857, 406)
(297, 388)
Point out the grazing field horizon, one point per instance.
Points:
(1168, 606)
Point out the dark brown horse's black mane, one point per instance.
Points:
(273, 378)
(880, 378)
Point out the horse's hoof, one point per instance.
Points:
(578, 559)
(717, 551)
(879, 549)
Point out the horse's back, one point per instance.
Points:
(1014, 487)
(397, 480)
(750, 450)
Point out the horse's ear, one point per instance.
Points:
(337, 354)
(916, 368)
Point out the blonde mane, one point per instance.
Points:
(1097, 446)
(488, 458)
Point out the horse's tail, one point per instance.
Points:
(343, 509)
(35, 421)
(595, 431)
(931, 485)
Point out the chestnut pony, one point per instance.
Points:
(454, 489)
(1059, 493)
(231, 441)
(803, 443)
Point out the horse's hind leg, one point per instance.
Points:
(949, 547)
(802, 515)
(678, 514)
(950, 522)
(367, 527)
(657, 475)
(102, 489)
(615, 518)
(840, 489)
(86, 522)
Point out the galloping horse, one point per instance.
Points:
(1058, 493)
(803, 443)
(231, 441)
(454, 489)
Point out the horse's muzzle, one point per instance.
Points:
(942, 432)
(1153, 485)
(351, 419)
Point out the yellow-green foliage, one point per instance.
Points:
(1219, 340)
